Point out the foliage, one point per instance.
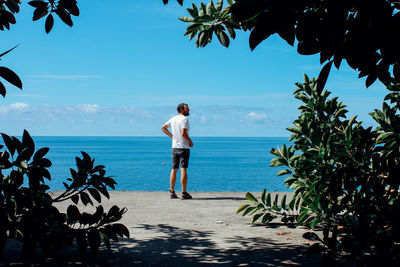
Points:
(345, 176)
(8, 8)
(364, 33)
(28, 211)
(267, 210)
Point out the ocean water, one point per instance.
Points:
(136, 163)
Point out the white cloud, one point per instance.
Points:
(94, 119)
(66, 77)
(19, 106)
(256, 117)
(88, 108)
(16, 107)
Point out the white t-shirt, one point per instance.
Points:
(177, 123)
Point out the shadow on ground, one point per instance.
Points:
(219, 198)
(184, 247)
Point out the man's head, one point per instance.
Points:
(183, 109)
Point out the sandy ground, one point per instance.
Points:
(173, 232)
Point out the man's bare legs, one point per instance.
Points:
(184, 179)
(185, 194)
(172, 179)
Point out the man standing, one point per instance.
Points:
(181, 144)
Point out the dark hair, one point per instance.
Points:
(181, 107)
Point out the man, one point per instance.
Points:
(181, 144)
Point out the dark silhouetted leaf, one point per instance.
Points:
(38, 4)
(2, 90)
(64, 16)
(8, 51)
(121, 230)
(73, 213)
(43, 162)
(49, 23)
(10, 77)
(95, 194)
(8, 141)
(40, 153)
(323, 76)
(75, 199)
(70, 5)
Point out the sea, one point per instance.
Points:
(143, 163)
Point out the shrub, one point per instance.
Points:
(344, 176)
(28, 212)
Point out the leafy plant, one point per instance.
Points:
(267, 210)
(364, 33)
(344, 176)
(8, 8)
(28, 212)
(210, 19)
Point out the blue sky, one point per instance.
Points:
(122, 69)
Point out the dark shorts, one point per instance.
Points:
(180, 156)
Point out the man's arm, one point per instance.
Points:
(185, 136)
(164, 128)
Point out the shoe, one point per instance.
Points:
(172, 194)
(186, 195)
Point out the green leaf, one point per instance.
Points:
(283, 202)
(241, 208)
(209, 7)
(251, 198)
(284, 172)
(267, 218)
(275, 203)
(203, 9)
(186, 19)
(276, 162)
(256, 217)
(203, 19)
(268, 200)
(249, 211)
(223, 38)
(10, 77)
(194, 11)
(219, 5)
(291, 204)
(314, 223)
(263, 199)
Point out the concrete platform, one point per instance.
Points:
(173, 232)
